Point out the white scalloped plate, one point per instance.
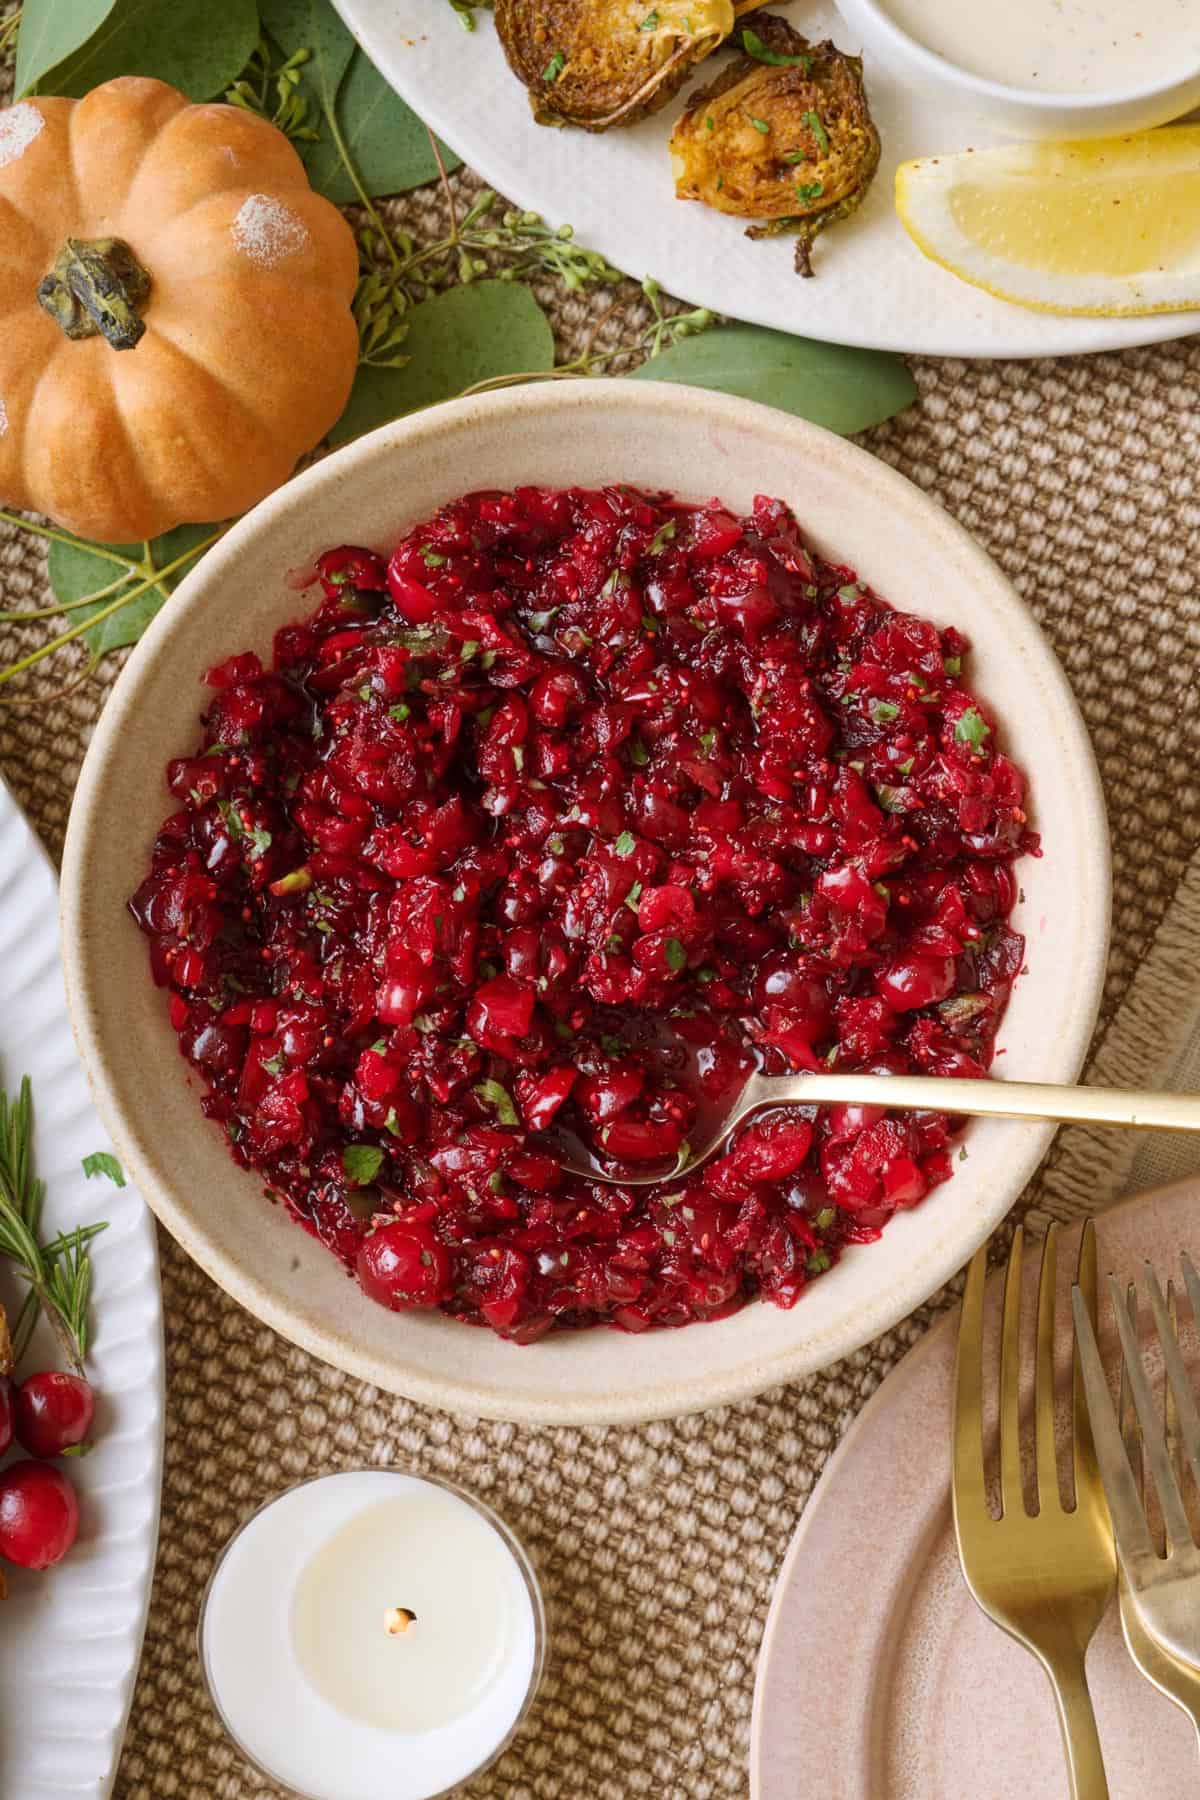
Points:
(872, 286)
(70, 1639)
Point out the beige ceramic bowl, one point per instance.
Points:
(697, 444)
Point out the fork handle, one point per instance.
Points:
(1077, 1722)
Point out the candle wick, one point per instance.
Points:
(397, 1619)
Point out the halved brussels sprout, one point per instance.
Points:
(599, 63)
(784, 135)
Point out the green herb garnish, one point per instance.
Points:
(816, 125)
(754, 46)
(972, 728)
(554, 67)
(676, 955)
(362, 1163)
(102, 1162)
(625, 844)
(760, 125)
(497, 1096)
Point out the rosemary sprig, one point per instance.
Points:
(59, 1273)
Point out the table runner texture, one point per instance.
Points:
(658, 1545)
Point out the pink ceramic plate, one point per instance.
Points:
(879, 1678)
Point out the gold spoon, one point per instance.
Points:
(924, 1093)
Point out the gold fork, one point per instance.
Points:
(1179, 1681)
(1045, 1578)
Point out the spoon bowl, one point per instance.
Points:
(976, 1098)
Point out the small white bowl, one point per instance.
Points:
(1024, 112)
(853, 508)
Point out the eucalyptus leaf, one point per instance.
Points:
(385, 140)
(311, 25)
(197, 46)
(75, 571)
(844, 389)
(465, 335)
(51, 31)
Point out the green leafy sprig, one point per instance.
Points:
(59, 1273)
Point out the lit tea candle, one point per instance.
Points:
(372, 1636)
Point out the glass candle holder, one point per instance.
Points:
(372, 1635)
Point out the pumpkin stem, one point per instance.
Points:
(96, 287)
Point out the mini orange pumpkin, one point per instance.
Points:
(175, 323)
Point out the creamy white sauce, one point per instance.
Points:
(1059, 46)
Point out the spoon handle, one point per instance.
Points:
(990, 1099)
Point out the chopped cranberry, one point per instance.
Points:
(558, 821)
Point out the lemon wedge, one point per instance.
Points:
(1108, 227)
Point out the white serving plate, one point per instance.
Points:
(70, 1639)
(872, 287)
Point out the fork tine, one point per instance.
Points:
(1086, 1469)
(1047, 1461)
(1181, 1419)
(1192, 1283)
(1179, 1532)
(1127, 1417)
(970, 1493)
(1012, 1498)
(1124, 1501)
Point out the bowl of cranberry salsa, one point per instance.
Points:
(493, 791)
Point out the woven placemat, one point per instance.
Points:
(657, 1546)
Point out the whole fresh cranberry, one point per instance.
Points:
(39, 1515)
(54, 1413)
(403, 1266)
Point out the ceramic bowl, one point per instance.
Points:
(1024, 112)
(698, 444)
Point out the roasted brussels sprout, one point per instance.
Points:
(599, 63)
(784, 135)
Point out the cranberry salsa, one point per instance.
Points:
(543, 832)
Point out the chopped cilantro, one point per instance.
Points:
(759, 124)
(362, 1163)
(625, 844)
(102, 1162)
(496, 1095)
(816, 125)
(884, 711)
(649, 23)
(633, 896)
(432, 558)
(663, 536)
(952, 665)
(811, 190)
(274, 1065)
(639, 756)
(554, 67)
(676, 955)
(400, 711)
(972, 728)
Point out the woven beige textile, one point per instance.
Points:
(658, 1545)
